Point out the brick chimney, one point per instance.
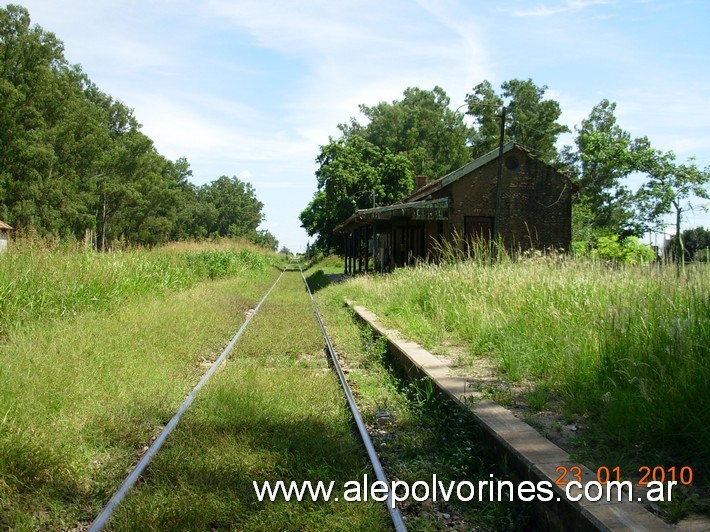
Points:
(420, 182)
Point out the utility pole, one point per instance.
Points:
(375, 248)
(499, 181)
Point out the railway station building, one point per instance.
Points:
(515, 199)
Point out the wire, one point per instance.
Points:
(556, 202)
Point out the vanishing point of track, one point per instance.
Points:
(103, 518)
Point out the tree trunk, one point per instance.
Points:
(681, 246)
(103, 227)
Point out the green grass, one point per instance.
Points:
(624, 348)
(40, 281)
(81, 396)
(425, 434)
(329, 264)
(275, 412)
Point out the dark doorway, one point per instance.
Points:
(409, 244)
(477, 228)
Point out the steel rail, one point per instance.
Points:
(397, 521)
(103, 518)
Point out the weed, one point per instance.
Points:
(682, 504)
(538, 397)
(624, 346)
(375, 347)
(41, 281)
(500, 393)
(427, 434)
(422, 393)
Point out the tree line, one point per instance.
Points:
(73, 160)
(421, 135)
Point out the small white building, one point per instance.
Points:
(4, 235)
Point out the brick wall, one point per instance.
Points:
(535, 206)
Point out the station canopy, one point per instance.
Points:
(436, 209)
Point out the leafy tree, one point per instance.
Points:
(130, 197)
(671, 189)
(72, 158)
(264, 238)
(193, 216)
(152, 218)
(60, 153)
(418, 134)
(421, 127)
(237, 210)
(530, 119)
(696, 242)
(605, 155)
(350, 169)
(33, 103)
(285, 251)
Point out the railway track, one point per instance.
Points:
(130, 481)
(396, 517)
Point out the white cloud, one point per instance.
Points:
(213, 146)
(568, 6)
(303, 28)
(245, 175)
(106, 36)
(359, 52)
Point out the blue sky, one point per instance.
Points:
(252, 88)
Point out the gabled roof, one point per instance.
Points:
(420, 204)
(4, 226)
(466, 169)
(457, 174)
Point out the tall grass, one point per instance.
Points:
(625, 346)
(422, 433)
(43, 281)
(80, 397)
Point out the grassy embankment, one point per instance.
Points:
(416, 432)
(621, 351)
(40, 280)
(96, 353)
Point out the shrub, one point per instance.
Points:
(41, 280)
(629, 250)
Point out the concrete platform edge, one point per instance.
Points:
(532, 456)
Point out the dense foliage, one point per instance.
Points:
(433, 140)
(351, 170)
(418, 135)
(696, 242)
(530, 120)
(421, 127)
(73, 160)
